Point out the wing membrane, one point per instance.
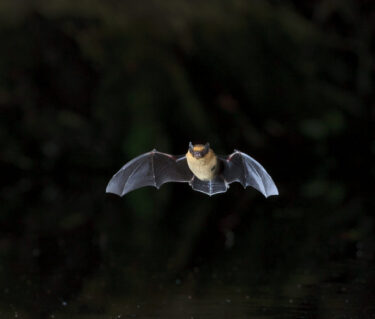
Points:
(150, 169)
(215, 186)
(242, 168)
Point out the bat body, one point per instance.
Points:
(200, 167)
(204, 168)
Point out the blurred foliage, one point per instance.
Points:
(85, 86)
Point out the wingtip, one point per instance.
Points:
(109, 190)
(273, 193)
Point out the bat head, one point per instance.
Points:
(199, 150)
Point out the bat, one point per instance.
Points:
(200, 167)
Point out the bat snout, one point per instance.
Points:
(197, 154)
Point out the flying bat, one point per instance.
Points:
(205, 172)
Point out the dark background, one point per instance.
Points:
(86, 86)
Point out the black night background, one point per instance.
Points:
(85, 86)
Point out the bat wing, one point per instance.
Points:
(240, 167)
(150, 169)
(212, 187)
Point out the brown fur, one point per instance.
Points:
(198, 147)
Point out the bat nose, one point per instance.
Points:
(197, 155)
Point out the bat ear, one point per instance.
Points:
(191, 146)
(207, 147)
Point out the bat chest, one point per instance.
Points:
(204, 169)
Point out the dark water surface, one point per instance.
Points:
(335, 290)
